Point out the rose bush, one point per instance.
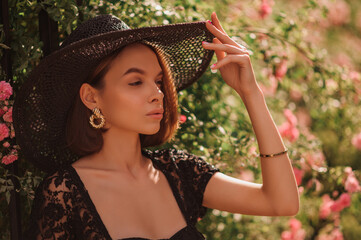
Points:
(312, 90)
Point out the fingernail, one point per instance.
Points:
(210, 22)
(213, 65)
(205, 42)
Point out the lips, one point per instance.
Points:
(156, 111)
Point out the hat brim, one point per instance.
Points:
(43, 101)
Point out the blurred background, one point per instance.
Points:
(306, 57)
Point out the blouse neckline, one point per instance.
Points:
(97, 217)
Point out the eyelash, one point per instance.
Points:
(136, 83)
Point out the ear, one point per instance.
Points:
(89, 96)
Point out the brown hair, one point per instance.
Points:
(83, 139)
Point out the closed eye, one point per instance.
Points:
(139, 82)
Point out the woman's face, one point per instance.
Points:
(132, 90)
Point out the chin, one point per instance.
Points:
(150, 131)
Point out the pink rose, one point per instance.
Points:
(6, 144)
(348, 170)
(331, 84)
(296, 233)
(285, 130)
(355, 77)
(281, 69)
(4, 131)
(342, 202)
(316, 160)
(356, 141)
(265, 9)
(289, 131)
(182, 118)
(8, 116)
(295, 224)
(5, 90)
(7, 159)
(345, 199)
(325, 208)
(339, 13)
(300, 234)
(352, 184)
(299, 175)
(336, 234)
(286, 235)
(291, 118)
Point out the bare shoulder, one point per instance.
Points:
(81, 162)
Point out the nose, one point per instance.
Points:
(157, 94)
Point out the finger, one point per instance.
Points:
(240, 59)
(222, 36)
(216, 22)
(217, 45)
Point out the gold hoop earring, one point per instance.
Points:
(96, 114)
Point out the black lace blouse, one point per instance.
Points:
(63, 209)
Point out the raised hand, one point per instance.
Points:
(235, 66)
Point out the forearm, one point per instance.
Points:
(279, 184)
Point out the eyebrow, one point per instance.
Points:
(138, 70)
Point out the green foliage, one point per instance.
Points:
(217, 125)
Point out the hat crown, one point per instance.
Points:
(41, 106)
(95, 26)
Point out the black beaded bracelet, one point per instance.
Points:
(272, 155)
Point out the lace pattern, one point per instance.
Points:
(52, 212)
(62, 209)
(191, 174)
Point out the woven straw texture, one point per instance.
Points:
(41, 106)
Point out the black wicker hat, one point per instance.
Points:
(41, 106)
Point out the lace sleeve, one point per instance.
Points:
(50, 216)
(197, 172)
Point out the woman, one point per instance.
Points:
(113, 188)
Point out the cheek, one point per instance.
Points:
(120, 103)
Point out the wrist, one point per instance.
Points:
(251, 92)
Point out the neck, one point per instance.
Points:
(121, 152)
